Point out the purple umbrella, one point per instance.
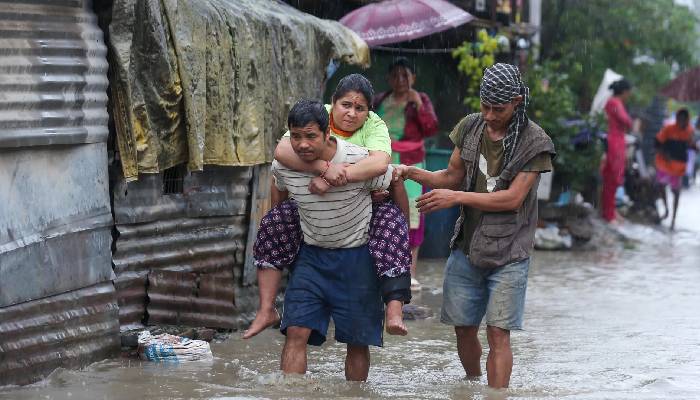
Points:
(393, 21)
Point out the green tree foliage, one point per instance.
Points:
(552, 104)
(641, 39)
(473, 59)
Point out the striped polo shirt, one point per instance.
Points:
(340, 217)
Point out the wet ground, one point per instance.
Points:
(623, 323)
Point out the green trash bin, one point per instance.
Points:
(437, 159)
(439, 225)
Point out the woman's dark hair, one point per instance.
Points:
(619, 87)
(306, 111)
(355, 83)
(400, 62)
(683, 113)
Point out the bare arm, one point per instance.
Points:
(277, 196)
(503, 200)
(450, 178)
(367, 168)
(400, 197)
(374, 165)
(284, 153)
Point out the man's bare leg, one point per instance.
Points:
(394, 318)
(469, 349)
(357, 363)
(663, 200)
(499, 363)
(676, 197)
(294, 351)
(267, 315)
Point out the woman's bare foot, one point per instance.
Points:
(263, 320)
(415, 285)
(394, 319)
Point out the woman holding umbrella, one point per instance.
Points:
(410, 117)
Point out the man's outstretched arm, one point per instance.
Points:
(374, 165)
(450, 178)
(503, 200)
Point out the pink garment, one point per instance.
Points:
(420, 124)
(666, 179)
(614, 169)
(608, 199)
(416, 236)
(618, 123)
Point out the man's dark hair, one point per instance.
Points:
(355, 83)
(619, 87)
(400, 62)
(683, 113)
(306, 111)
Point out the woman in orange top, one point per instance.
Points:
(672, 144)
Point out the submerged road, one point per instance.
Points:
(619, 323)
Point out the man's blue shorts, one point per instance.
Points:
(471, 293)
(337, 283)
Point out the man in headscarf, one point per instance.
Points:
(493, 176)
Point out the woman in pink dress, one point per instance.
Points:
(614, 165)
(410, 118)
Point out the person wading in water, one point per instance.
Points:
(333, 275)
(492, 175)
(280, 234)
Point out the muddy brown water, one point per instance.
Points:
(621, 323)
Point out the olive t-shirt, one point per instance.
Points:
(489, 166)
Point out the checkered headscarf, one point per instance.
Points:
(500, 84)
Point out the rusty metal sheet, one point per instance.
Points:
(202, 230)
(69, 330)
(53, 74)
(131, 297)
(183, 244)
(216, 191)
(193, 299)
(202, 245)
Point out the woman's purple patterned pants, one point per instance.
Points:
(280, 237)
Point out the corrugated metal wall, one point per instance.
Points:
(192, 299)
(69, 330)
(54, 74)
(57, 304)
(179, 256)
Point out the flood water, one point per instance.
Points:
(623, 323)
